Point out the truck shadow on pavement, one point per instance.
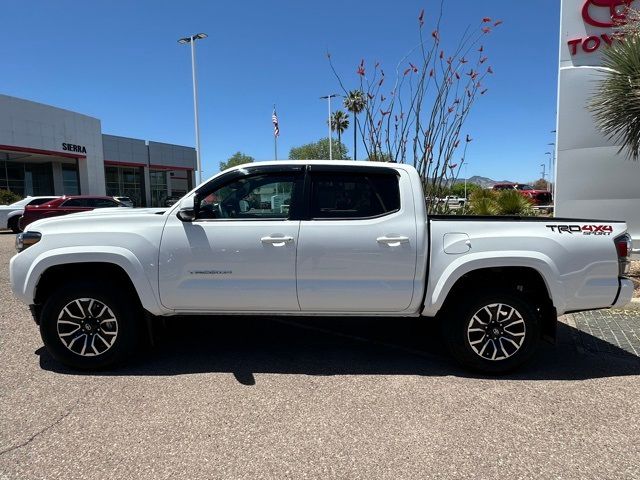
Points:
(245, 346)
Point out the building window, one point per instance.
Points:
(125, 182)
(70, 180)
(25, 178)
(159, 192)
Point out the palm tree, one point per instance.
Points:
(616, 103)
(355, 102)
(339, 123)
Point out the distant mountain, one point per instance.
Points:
(484, 182)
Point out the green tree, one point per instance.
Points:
(236, 159)
(319, 151)
(355, 102)
(616, 103)
(458, 189)
(339, 123)
(540, 184)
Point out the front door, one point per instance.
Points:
(239, 254)
(357, 250)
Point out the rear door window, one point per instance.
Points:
(353, 195)
(102, 203)
(76, 202)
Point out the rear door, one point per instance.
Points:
(357, 248)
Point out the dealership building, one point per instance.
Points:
(593, 179)
(46, 150)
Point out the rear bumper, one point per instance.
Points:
(625, 294)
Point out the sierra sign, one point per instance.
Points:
(601, 14)
(70, 147)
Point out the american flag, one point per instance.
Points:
(276, 125)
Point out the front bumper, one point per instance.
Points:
(625, 295)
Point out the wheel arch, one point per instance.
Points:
(525, 280)
(55, 267)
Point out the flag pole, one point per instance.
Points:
(275, 137)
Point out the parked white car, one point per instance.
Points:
(453, 200)
(355, 240)
(10, 214)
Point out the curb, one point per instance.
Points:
(633, 305)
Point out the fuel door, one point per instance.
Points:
(456, 243)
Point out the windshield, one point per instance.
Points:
(525, 187)
(20, 203)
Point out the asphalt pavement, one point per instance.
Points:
(251, 398)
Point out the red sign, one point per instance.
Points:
(594, 13)
(618, 10)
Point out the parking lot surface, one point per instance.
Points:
(316, 398)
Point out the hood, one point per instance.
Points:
(99, 216)
(121, 211)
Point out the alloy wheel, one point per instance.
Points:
(496, 331)
(87, 327)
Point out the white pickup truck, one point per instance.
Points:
(315, 238)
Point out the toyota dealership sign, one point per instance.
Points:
(592, 179)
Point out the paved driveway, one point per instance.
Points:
(327, 398)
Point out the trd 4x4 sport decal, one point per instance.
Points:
(584, 229)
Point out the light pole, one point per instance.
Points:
(466, 199)
(328, 98)
(191, 39)
(552, 167)
(465, 181)
(544, 174)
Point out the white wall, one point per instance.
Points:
(592, 179)
(34, 125)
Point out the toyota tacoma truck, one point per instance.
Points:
(315, 238)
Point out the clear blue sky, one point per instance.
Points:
(119, 61)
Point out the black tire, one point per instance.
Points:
(96, 326)
(13, 225)
(514, 341)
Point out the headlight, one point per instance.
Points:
(26, 239)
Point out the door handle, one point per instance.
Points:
(393, 241)
(277, 241)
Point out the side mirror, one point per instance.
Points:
(188, 210)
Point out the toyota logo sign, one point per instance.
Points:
(617, 12)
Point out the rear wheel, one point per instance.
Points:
(89, 325)
(493, 332)
(13, 224)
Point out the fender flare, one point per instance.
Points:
(438, 289)
(119, 256)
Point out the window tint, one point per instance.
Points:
(254, 197)
(76, 202)
(102, 203)
(339, 195)
(40, 201)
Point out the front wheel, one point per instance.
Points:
(13, 225)
(493, 332)
(89, 326)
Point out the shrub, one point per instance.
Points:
(7, 197)
(505, 202)
(511, 202)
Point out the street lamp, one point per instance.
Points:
(191, 39)
(465, 180)
(552, 168)
(328, 98)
